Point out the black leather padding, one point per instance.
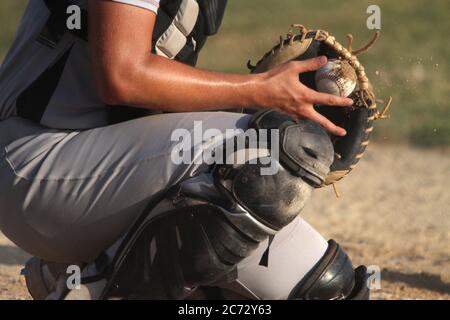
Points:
(275, 200)
(308, 147)
(305, 148)
(361, 290)
(333, 278)
(184, 248)
(355, 122)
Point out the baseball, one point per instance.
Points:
(337, 77)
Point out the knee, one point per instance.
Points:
(275, 200)
(299, 153)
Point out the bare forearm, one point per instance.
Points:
(159, 83)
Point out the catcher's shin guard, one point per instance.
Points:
(192, 244)
(333, 278)
(188, 242)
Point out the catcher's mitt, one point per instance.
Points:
(358, 120)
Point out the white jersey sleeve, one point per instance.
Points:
(151, 5)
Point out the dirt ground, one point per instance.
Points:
(394, 213)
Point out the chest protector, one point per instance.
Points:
(181, 30)
(183, 26)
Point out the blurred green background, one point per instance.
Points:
(410, 62)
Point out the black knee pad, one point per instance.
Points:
(305, 156)
(333, 278)
(273, 200)
(306, 149)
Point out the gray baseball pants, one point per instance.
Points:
(66, 196)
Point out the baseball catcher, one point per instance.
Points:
(102, 169)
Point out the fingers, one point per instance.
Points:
(324, 122)
(315, 97)
(305, 97)
(310, 64)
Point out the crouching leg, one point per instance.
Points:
(193, 239)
